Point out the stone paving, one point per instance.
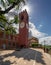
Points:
(28, 56)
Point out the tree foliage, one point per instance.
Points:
(9, 4)
(7, 26)
(3, 21)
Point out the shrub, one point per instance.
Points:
(34, 45)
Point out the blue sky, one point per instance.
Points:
(41, 15)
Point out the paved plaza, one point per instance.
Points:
(28, 56)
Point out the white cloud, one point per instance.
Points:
(40, 26)
(45, 40)
(2, 8)
(10, 15)
(40, 35)
(35, 32)
(17, 28)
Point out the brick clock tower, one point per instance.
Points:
(23, 29)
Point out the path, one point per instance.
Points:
(29, 56)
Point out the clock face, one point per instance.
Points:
(22, 24)
(27, 26)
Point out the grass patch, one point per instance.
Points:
(36, 45)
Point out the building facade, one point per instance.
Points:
(23, 29)
(18, 40)
(8, 41)
(33, 40)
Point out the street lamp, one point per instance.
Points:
(44, 45)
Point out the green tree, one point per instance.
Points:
(3, 21)
(9, 4)
(7, 26)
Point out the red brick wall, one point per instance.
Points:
(1, 34)
(12, 42)
(23, 32)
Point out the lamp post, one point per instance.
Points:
(44, 45)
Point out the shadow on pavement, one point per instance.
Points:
(26, 54)
(5, 63)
